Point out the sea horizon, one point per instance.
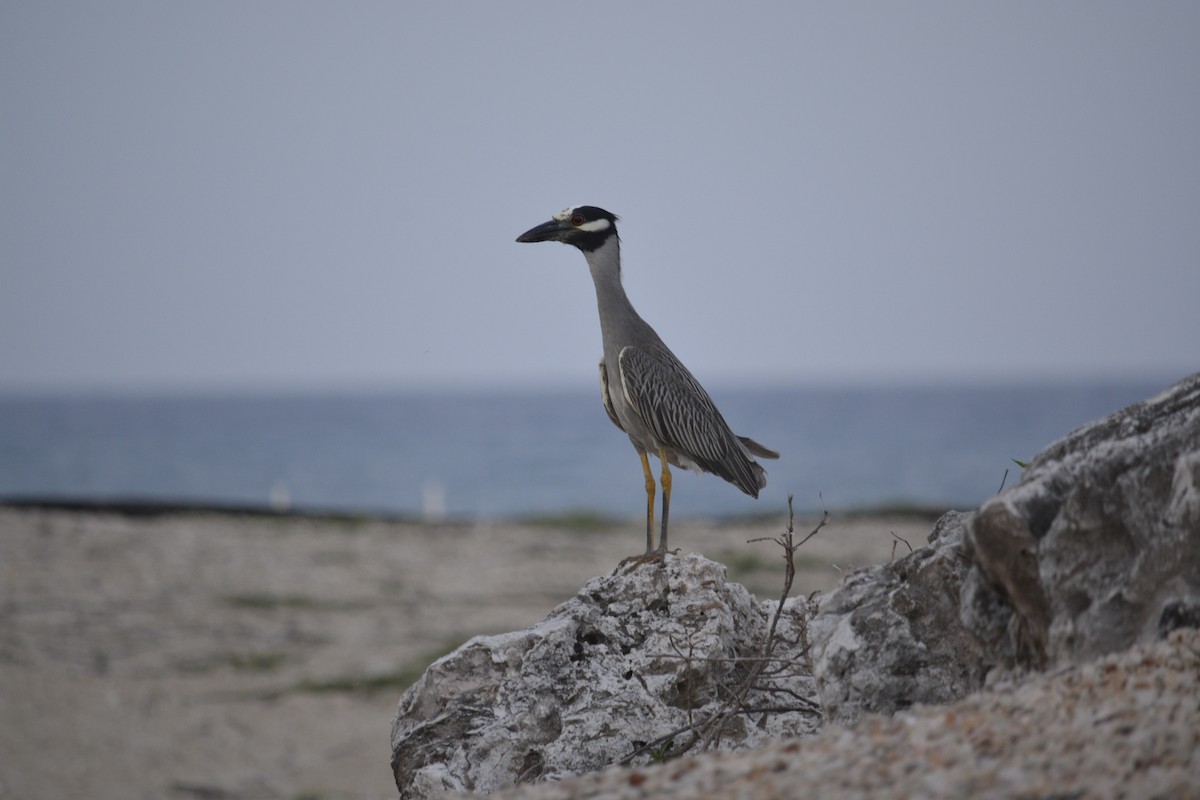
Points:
(495, 452)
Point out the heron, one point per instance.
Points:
(647, 391)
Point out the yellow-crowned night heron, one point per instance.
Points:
(647, 391)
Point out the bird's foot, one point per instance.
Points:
(653, 557)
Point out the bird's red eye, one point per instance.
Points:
(577, 219)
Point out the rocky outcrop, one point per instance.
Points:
(1094, 550)
(1098, 546)
(627, 671)
(890, 636)
(1124, 726)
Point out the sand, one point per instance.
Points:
(205, 655)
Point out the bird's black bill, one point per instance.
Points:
(551, 231)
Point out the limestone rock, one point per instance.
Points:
(1124, 726)
(1098, 546)
(890, 636)
(1096, 549)
(636, 658)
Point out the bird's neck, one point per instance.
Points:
(605, 265)
(617, 315)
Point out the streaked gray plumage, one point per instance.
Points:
(648, 392)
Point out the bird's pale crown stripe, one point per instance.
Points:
(594, 226)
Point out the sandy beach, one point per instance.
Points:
(210, 655)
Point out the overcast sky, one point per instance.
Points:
(282, 194)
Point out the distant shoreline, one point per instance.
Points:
(146, 508)
(149, 508)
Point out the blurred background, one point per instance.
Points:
(262, 254)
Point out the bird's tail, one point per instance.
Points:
(751, 478)
(756, 449)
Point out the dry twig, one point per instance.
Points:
(758, 671)
(896, 540)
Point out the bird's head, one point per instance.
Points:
(586, 227)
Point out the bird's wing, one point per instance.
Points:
(605, 397)
(681, 415)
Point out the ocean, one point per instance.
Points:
(512, 455)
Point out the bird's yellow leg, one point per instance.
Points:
(649, 502)
(666, 484)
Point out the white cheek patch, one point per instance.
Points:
(595, 225)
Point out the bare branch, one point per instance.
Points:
(898, 539)
(755, 673)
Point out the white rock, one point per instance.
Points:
(634, 657)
